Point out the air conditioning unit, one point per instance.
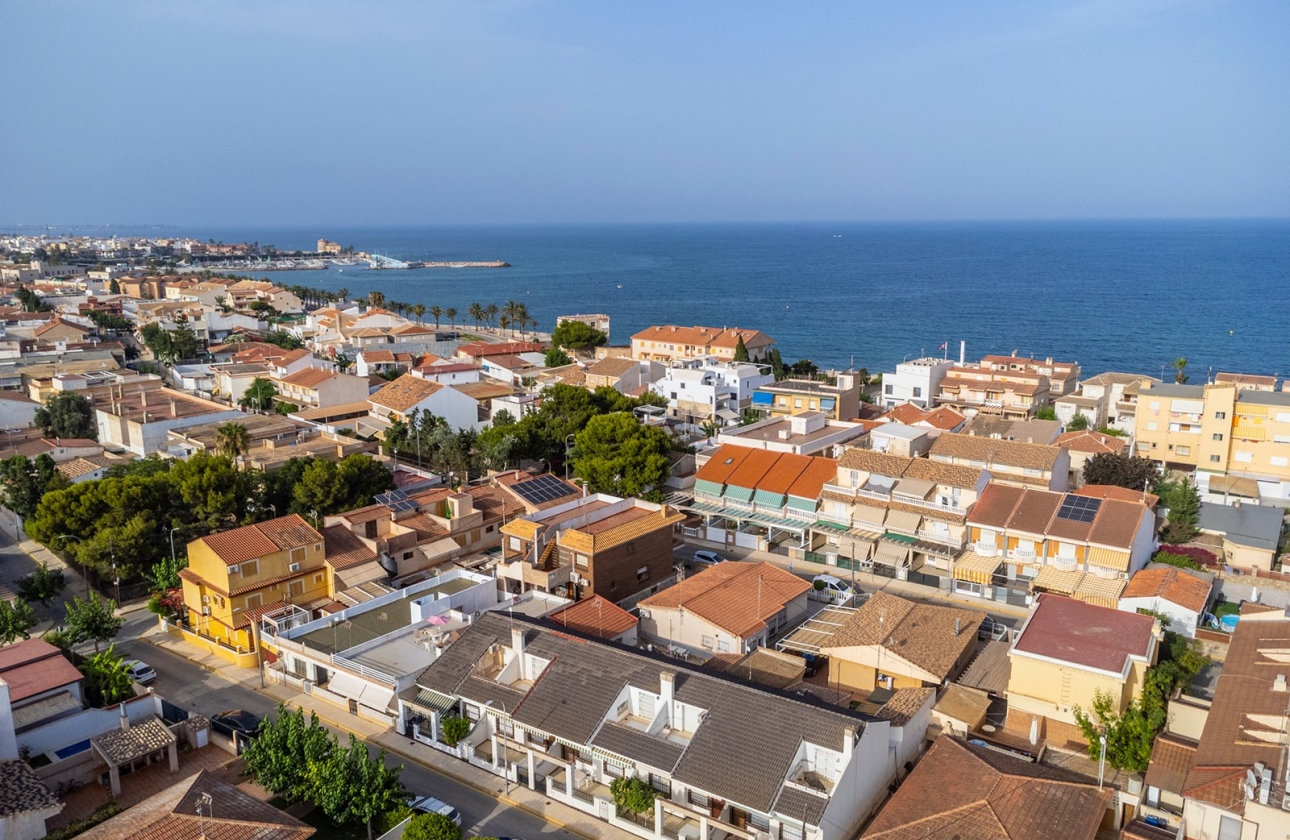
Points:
(234, 569)
(294, 567)
(206, 599)
(206, 610)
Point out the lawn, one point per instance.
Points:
(1226, 608)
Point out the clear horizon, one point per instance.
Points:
(231, 113)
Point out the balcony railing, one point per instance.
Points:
(942, 538)
(1064, 564)
(841, 518)
(985, 549)
(1022, 553)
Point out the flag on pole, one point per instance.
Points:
(945, 345)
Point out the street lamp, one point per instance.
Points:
(506, 757)
(84, 571)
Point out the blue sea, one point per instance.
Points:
(1129, 296)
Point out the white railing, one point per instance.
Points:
(364, 670)
(840, 518)
(873, 494)
(1022, 553)
(943, 538)
(1065, 564)
(931, 505)
(985, 549)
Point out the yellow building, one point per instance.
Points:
(1236, 439)
(1067, 653)
(234, 575)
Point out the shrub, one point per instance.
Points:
(387, 821)
(454, 729)
(103, 812)
(819, 585)
(1200, 555)
(431, 827)
(1182, 561)
(632, 795)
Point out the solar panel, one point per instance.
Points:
(542, 489)
(391, 497)
(1079, 508)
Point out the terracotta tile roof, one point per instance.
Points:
(978, 794)
(906, 413)
(703, 336)
(612, 366)
(371, 356)
(1244, 724)
(1246, 379)
(121, 746)
(371, 513)
(945, 418)
(620, 528)
(1174, 585)
(785, 472)
(494, 503)
(425, 527)
(722, 464)
(753, 469)
(310, 377)
(33, 667)
(995, 451)
(1171, 760)
(811, 482)
(344, 548)
(1085, 635)
(263, 538)
(728, 595)
(1110, 491)
(904, 704)
(1091, 442)
(1117, 523)
(404, 393)
(963, 703)
(22, 791)
(594, 616)
(479, 349)
(948, 475)
(871, 461)
(921, 634)
(1034, 512)
(484, 390)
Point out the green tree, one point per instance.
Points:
(25, 482)
(284, 751)
(16, 618)
(575, 335)
(106, 679)
(209, 489)
(354, 786)
(285, 340)
(431, 827)
(1046, 412)
(555, 357)
(42, 586)
(376, 299)
(184, 343)
(454, 729)
(343, 362)
(259, 394)
(1129, 735)
(1121, 470)
(741, 350)
(319, 489)
(67, 415)
(1182, 561)
(114, 287)
(451, 314)
(618, 455)
(93, 619)
(232, 440)
(363, 477)
(632, 794)
(1184, 513)
(1078, 423)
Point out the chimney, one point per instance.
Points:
(848, 744)
(667, 685)
(962, 352)
(958, 626)
(125, 717)
(1265, 785)
(1236, 503)
(517, 640)
(1279, 684)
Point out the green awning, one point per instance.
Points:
(707, 488)
(440, 703)
(739, 494)
(832, 526)
(900, 538)
(765, 497)
(798, 503)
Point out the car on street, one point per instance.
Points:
(242, 722)
(703, 557)
(831, 590)
(430, 805)
(991, 629)
(140, 671)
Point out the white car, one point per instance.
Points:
(430, 805)
(140, 671)
(832, 590)
(703, 557)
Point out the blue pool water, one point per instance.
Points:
(78, 747)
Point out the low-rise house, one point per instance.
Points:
(1107, 400)
(476, 351)
(1082, 546)
(514, 370)
(977, 390)
(447, 373)
(566, 716)
(315, 387)
(1179, 597)
(893, 643)
(1067, 652)
(408, 393)
(710, 390)
(1063, 376)
(899, 439)
(25, 802)
(599, 618)
(1027, 430)
(1009, 461)
(370, 362)
(727, 608)
(1250, 534)
(622, 374)
(140, 423)
(670, 343)
(1083, 445)
(234, 576)
(839, 400)
(974, 792)
(808, 433)
(1235, 784)
(231, 380)
(935, 420)
(592, 545)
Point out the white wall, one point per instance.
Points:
(1180, 620)
(8, 744)
(863, 784)
(17, 414)
(90, 723)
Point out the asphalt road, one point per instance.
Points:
(191, 687)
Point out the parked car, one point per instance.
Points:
(140, 671)
(430, 805)
(242, 722)
(831, 590)
(703, 557)
(991, 629)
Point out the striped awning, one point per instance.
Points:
(1108, 558)
(975, 568)
(892, 554)
(434, 700)
(871, 515)
(766, 497)
(739, 494)
(710, 488)
(1100, 591)
(904, 521)
(1050, 579)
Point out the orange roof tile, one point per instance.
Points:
(808, 485)
(721, 465)
(737, 597)
(263, 538)
(596, 616)
(404, 392)
(787, 469)
(754, 467)
(1174, 585)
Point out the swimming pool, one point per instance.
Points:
(73, 749)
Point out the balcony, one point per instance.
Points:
(1064, 564)
(1023, 553)
(941, 537)
(985, 549)
(840, 518)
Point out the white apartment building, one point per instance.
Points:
(916, 381)
(699, 390)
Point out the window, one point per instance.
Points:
(1183, 450)
(297, 555)
(797, 403)
(662, 784)
(1151, 426)
(253, 601)
(250, 568)
(918, 392)
(723, 646)
(889, 389)
(1244, 457)
(708, 642)
(1218, 436)
(1279, 461)
(513, 543)
(1214, 459)
(580, 560)
(642, 574)
(1218, 415)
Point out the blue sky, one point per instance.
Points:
(387, 112)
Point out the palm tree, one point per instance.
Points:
(490, 313)
(436, 312)
(376, 299)
(232, 440)
(342, 293)
(451, 314)
(476, 313)
(419, 311)
(1180, 371)
(504, 321)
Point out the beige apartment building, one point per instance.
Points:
(1017, 394)
(669, 342)
(1236, 440)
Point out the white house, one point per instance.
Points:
(917, 381)
(698, 390)
(1181, 595)
(409, 393)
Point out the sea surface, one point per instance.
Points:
(1125, 296)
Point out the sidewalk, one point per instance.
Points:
(903, 588)
(535, 803)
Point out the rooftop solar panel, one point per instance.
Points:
(542, 489)
(391, 497)
(1079, 508)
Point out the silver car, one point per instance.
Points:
(430, 805)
